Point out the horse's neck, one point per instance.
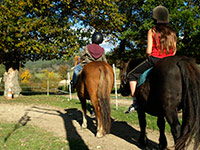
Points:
(133, 63)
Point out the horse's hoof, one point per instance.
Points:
(142, 142)
(99, 135)
(161, 147)
(84, 126)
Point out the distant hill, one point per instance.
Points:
(51, 65)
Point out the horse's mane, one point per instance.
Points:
(132, 63)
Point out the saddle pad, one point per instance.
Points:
(143, 77)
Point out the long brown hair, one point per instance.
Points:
(167, 37)
(76, 60)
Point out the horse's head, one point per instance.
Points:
(124, 83)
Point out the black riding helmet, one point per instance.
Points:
(97, 38)
(161, 14)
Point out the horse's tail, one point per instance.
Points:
(191, 103)
(103, 93)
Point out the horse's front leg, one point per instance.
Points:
(83, 105)
(142, 123)
(162, 139)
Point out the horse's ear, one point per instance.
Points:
(125, 60)
(122, 64)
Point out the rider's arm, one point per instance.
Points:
(174, 48)
(104, 58)
(175, 42)
(149, 42)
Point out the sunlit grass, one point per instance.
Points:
(29, 137)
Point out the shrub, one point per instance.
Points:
(62, 71)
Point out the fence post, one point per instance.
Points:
(47, 87)
(70, 94)
(115, 84)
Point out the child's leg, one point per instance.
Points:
(77, 69)
(133, 87)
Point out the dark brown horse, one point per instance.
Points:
(95, 83)
(173, 85)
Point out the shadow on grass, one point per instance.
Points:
(22, 122)
(72, 136)
(131, 135)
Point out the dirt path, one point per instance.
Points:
(66, 124)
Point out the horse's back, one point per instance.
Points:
(92, 75)
(93, 68)
(92, 71)
(163, 87)
(168, 81)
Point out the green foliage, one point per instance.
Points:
(2, 70)
(63, 88)
(34, 30)
(184, 18)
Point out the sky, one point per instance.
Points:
(107, 46)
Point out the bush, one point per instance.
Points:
(62, 71)
(2, 70)
(63, 88)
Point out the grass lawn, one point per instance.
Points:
(35, 138)
(29, 138)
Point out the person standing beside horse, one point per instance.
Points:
(92, 52)
(161, 42)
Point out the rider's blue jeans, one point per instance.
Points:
(77, 69)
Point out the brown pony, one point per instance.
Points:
(95, 83)
(172, 85)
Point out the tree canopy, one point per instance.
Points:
(44, 29)
(47, 29)
(184, 19)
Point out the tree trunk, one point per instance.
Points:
(11, 80)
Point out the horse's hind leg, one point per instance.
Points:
(83, 105)
(95, 103)
(162, 139)
(142, 123)
(172, 118)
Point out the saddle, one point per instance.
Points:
(144, 76)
